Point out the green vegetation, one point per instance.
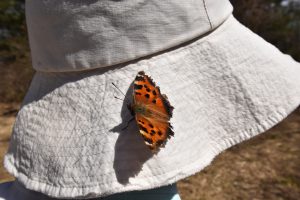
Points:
(11, 18)
(12, 23)
(275, 20)
(15, 64)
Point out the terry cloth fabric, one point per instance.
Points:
(16, 191)
(226, 85)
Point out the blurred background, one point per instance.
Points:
(265, 167)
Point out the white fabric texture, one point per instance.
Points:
(73, 35)
(226, 87)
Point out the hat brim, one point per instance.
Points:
(225, 87)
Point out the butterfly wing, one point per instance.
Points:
(153, 113)
(155, 133)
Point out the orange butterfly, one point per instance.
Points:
(152, 111)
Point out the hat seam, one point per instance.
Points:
(179, 47)
(205, 39)
(205, 8)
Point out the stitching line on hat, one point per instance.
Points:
(205, 7)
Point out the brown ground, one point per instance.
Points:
(7, 118)
(265, 167)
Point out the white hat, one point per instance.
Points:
(72, 138)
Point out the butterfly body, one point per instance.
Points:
(141, 109)
(152, 112)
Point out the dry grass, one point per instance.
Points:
(7, 118)
(265, 167)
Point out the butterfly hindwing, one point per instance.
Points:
(155, 133)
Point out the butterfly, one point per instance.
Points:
(152, 112)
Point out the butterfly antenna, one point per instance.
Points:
(128, 103)
(118, 89)
(119, 98)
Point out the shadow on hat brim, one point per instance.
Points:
(226, 87)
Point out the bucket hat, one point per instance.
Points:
(73, 137)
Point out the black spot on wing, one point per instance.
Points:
(159, 133)
(147, 96)
(143, 128)
(137, 87)
(152, 132)
(137, 93)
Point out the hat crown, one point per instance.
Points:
(73, 35)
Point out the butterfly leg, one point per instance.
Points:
(128, 123)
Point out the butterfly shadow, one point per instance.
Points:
(130, 150)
